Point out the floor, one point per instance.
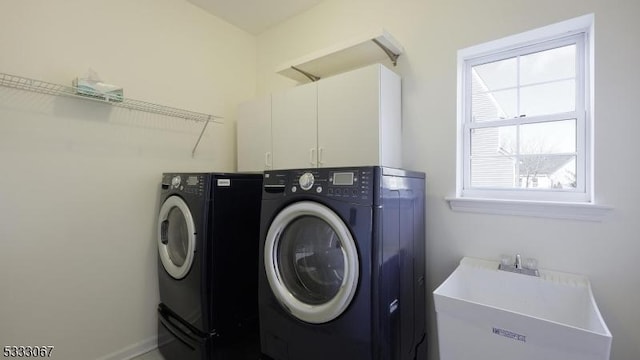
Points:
(151, 355)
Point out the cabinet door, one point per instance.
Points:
(359, 118)
(254, 135)
(294, 124)
(348, 112)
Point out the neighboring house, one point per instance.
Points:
(491, 164)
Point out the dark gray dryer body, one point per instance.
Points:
(208, 234)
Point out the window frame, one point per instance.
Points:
(580, 193)
(576, 204)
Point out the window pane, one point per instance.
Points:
(496, 75)
(495, 105)
(494, 93)
(548, 137)
(498, 171)
(548, 98)
(542, 161)
(547, 171)
(549, 65)
(493, 141)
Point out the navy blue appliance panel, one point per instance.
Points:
(401, 291)
(389, 309)
(416, 204)
(232, 253)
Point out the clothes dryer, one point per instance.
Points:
(342, 264)
(208, 237)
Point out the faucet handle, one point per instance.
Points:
(531, 264)
(528, 267)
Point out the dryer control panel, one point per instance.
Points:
(353, 184)
(187, 183)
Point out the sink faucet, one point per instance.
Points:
(516, 267)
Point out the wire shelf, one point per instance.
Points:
(43, 87)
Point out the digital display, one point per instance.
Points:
(192, 180)
(343, 178)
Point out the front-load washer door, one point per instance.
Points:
(311, 262)
(176, 237)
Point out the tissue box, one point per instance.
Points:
(98, 89)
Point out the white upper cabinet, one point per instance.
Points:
(350, 119)
(254, 135)
(359, 118)
(294, 123)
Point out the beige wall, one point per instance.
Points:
(431, 32)
(79, 180)
(78, 190)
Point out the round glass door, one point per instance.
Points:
(176, 237)
(311, 262)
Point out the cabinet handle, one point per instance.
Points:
(268, 160)
(320, 156)
(312, 156)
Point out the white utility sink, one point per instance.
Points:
(489, 314)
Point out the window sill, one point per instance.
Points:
(545, 209)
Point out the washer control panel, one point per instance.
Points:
(353, 184)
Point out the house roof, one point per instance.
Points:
(542, 164)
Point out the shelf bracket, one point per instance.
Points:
(308, 75)
(193, 152)
(392, 56)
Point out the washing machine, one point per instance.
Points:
(342, 264)
(208, 239)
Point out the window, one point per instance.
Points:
(524, 110)
(524, 116)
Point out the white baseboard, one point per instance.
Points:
(133, 350)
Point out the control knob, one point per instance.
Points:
(175, 181)
(306, 181)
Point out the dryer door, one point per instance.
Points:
(311, 262)
(176, 237)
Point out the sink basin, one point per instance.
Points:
(485, 313)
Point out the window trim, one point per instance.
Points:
(540, 209)
(500, 201)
